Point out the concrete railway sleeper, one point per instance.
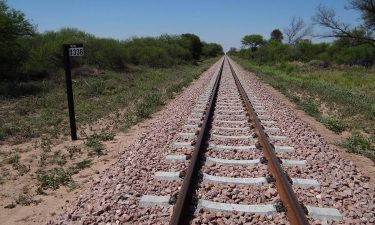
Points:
(230, 143)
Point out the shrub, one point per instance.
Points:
(54, 178)
(148, 105)
(14, 158)
(21, 168)
(94, 142)
(334, 124)
(26, 199)
(80, 166)
(356, 143)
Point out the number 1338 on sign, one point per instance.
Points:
(76, 51)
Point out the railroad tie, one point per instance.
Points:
(232, 147)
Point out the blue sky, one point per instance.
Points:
(221, 21)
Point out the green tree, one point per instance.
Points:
(45, 55)
(195, 45)
(212, 50)
(253, 41)
(367, 9)
(232, 51)
(14, 27)
(326, 17)
(276, 35)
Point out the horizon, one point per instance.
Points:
(224, 23)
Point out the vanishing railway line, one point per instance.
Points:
(232, 145)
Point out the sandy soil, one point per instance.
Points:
(52, 203)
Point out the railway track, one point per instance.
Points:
(230, 145)
(203, 160)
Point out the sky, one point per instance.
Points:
(221, 21)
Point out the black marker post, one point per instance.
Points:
(71, 51)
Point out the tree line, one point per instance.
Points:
(351, 45)
(26, 54)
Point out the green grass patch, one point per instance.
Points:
(347, 95)
(334, 124)
(54, 178)
(148, 105)
(45, 111)
(86, 163)
(310, 107)
(357, 143)
(94, 142)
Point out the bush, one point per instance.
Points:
(54, 178)
(14, 158)
(148, 105)
(80, 166)
(357, 143)
(334, 124)
(14, 29)
(94, 142)
(26, 55)
(211, 50)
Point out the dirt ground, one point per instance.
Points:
(51, 203)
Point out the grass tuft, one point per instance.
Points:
(80, 166)
(26, 199)
(94, 142)
(356, 143)
(149, 105)
(54, 178)
(334, 124)
(14, 158)
(310, 107)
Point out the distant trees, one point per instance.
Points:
(253, 41)
(26, 54)
(351, 44)
(297, 30)
(343, 50)
(232, 50)
(211, 49)
(105, 53)
(195, 45)
(14, 27)
(277, 35)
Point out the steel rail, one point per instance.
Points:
(294, 211)
(181, 209)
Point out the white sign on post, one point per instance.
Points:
(78, 51)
